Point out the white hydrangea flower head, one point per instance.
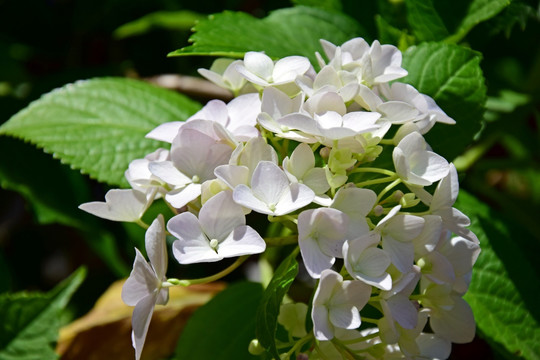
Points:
(144, 287)
(337, 304)
(219, 232)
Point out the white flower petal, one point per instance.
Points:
(140, 321)
(403, 311)
(220, 215)
(120, 205)
(179, 198)
(141, 282)
(165, 132)
(401, 253)
(456, 325)
(243, 240)
(156, 246)
(322, 328)
(345, 316)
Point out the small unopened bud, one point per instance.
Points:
(409, 200)
(255, 347)
(398, 194)
(378, 210)
(325, 152)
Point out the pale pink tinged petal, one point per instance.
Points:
(255, 151)
(220, 215)
(354, 202)
(156, 247)
(185, 226)
(243, 110)
(243, 240)
(401, 253)
(165, 132)
(398, 112)
(246, 132)
(302, 160)
(141, 282)
(433, 346)
(120, 205)
(244, 196)
(344, 316)
(269, 183)
(403, 311)
(404, 227)
(322, 328)
(456, 325)
(294, 198)
(288, 68)
(232, 175)
(315, 260)
(192, 245)
(166, 171)
(447, 190)
(140, 321)
(180, 198)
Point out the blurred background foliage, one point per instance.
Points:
(46, 44)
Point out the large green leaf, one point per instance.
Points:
(504, 289)
(29, 322)
(452, 76)
(425, 21)
(222, 328)
(268, 311)
(332, 5)
(479, 11)
(98, 126)
(291, 31)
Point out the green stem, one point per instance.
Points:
(388, 188)
(215, 277)
(373, 170)
(298, 345)
(142, 224)
(369, 320)
(376, 181)
(281, 240)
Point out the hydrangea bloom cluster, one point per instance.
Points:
(338, 158)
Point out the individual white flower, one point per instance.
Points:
(271, 193)
(144, 287)
(329, 79)
(364, 261)
(275, 106)
(321, 233)
(224, 74)
(417, 165)
(397, 232)
(194, 156)
(120, 205)
(356, 203)
(301, 168)
(450, 316)
(337, 304)
(219, 232)
(238, 117)
(442, 205)
(139, 176)
(259, 69)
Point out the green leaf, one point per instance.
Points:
(425, 21)
(389, 34)
(168, 20)
(54, 198)
(285, 32)
(268, 310)
(329, 5)
(452, 76)
(479, 11)
(29, 322)
(222, 328)
(98, 126)
(504, 288)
